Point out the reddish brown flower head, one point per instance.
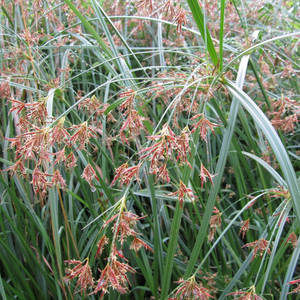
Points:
(180, 18)
(203, 124)
(84, 274)
(131, 218)
(114, 275)
(288, 70)
(133, 123)
(183, 148)
(94, 107)
(60, 156)
(17, 106)
(280, 191)
(126, 174)
(118, 173)
(166, 144)
(214, 222)
(108, 279)
(162, 149)
(100, 245)
(286, 124)
(5, 91)
(146, 5)
(129, 101)
(137, 244)
(182, 193)
(70, 161)
(90, 104)
(293, 240)
(58, 180)
(124, 228)
(124, 225)
(246, 295)
(58, 133)
(25, 125)
(211, 279)
(297, 289)
(244, 227)
(36, 143)
(169, 8)
(205, 174)
(18, 166)
(162, 173)
(190, 289)
(37, 111)
(89, 174)
(82, 135)
(40, 182)
(259, 245)
(15, 142)
(285, 112)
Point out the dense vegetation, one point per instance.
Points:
(150, 149)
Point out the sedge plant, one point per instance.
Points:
(149, 149)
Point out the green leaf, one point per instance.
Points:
(200, 21)
(274, 140)
(202, 234)
(91, 30)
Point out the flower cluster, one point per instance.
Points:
(190, 289)
(285, 114)
(203, 123)
(126, 174)
(214, 222)
(133, 122)
(182, 193)
(40, 134)
(246, 295)
(114, 273)
(292, 239)
(260, 246)
(166, 145)
(297, 289)
(205, 174)
(244, 227)
(125, 221)
(89, 174)
(83, 272)
(94, 107)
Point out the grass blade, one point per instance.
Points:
(219, 170)
(274, 140)
(199, 18)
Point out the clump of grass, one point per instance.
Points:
(150, 150)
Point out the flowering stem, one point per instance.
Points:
(67, 225)
(29, 49)
(121, 206)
